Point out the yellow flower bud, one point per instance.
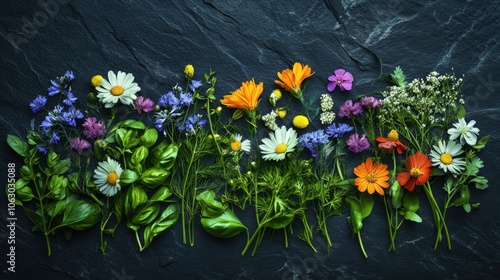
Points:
(96, 81)
(300, 121)
(281, 112)
(189, 71)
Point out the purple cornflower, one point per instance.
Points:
(195, 85)
(168, 100)
(38, 103)
(48, 122)
(78, 144)
(349, 109)
(370, 101)
(93, 129)
(71, 116)
(143, 104)
(356, 144)
(341, 78)
(336, 132)
(54, 138)
(160, 118)
(185, 98)
(70, 99)
(313, 140)
(192, 123)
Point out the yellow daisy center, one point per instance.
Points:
(112, 178)
(446, 158)
(281, 148)
(117, 90)
(415, 172)
(236, 145)
(393, 135)
(371, 178)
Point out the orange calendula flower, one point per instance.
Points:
(291, 80)
(391, 142)
(418, 170)
(246, 97)
(372, 177)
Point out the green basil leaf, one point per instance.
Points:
(412, 216)
(18, 145)
(161, 194)
(154, 177)
(80, 215)
(209, 206)
(61, 167)
(146, 214)
(367, 202)
(149, 137)
(396, 195)
(356, 218)
(134, 197)
(226, 225)
(134, 124)
(165, 157)
(139, 155)
(167, 219)
(279, 221)
(128, 177)
(411, 202)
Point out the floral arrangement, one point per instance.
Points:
(126, 159)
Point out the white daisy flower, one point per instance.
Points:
(467, 132)
(120, 87)
(107, 177)
(444, 156)
(279, 143)
(238, 145)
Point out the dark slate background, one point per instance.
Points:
(240, 40)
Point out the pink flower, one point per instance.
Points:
(349, 109)
(143, 104)
(341, 78)
(370, 101)
(78, 144)
(93, 128)
(356, 144)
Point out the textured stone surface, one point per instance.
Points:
(240, 40)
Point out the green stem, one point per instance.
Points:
(361, 245)
(42, 214)
(138, 240)
(438, 217)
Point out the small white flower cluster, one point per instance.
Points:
(327, 115)
(270, 120)
(429, 101)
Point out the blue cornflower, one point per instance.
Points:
(192, 123)
(48, 122)
(312, 140)
(168, 99)
(55, 138)
(71, 116)
(336, 132)
(61, 84)
(38, 103)
(42, 149)
(160, 118)
(195, 85)
(185, 98)
(70, 99)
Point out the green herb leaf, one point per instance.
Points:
(279, 221)
(61, 167)
(134, 197)
(149, 137)
(410, 202)
(396, 193)
(146, 214)
(18, 145)
(226, 225)
(481, 143)
(128, 177)
(168, 218)
(154, 177)
(210, 207)
(367, 202)
(412, 216)
(80, 215)
(161, 194)
(356, 218)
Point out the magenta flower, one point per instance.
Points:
(341, 78)
(356, 144)
(143, 104)
(93, 128)
(370, 101)
(349, 109)
(78, 144)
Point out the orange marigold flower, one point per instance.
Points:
(372, 176)
(291, 80)
(418, 170)
(246, 97)
(391, 142)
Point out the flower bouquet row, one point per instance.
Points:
(126, 159)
